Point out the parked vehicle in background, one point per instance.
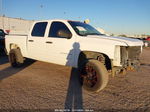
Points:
(146, 42)
(148, 38)
(76, 44)
(2, 41)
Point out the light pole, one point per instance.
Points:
(1, 8)
(41, 6)
(1, 14)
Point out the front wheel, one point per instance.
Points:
(94, 76)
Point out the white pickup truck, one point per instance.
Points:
(76, 44)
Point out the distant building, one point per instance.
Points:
(14, 24)
(138, 36)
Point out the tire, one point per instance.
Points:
(5, 51)
(94, 76)
(15, 58)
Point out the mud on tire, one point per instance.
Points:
(15, 58)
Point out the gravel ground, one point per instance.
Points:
(39, 86)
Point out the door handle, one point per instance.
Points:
(31, 40)
(48, 42)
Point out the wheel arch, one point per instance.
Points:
(13, 46)
(83, 55)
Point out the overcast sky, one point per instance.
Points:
(114, 16)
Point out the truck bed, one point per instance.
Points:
(19, 39)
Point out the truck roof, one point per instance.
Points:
(64, 20)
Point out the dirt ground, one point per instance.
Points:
(39, 86)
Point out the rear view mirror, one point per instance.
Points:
(64, 34)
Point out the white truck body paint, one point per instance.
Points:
(66, 51)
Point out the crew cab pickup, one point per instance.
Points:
(76, 44)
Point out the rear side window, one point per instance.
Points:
(39, 29)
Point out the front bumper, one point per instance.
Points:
(130, 56)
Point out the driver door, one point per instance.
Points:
(59, 49)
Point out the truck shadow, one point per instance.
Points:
(74, 98)
(9, 71)
(3, 60)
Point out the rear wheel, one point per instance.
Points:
(94, 76)
(15, 58)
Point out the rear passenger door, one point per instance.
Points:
(36, 41)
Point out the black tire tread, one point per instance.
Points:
(103, 76)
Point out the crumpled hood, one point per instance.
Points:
(128, 41)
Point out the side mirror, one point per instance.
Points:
(64, 34)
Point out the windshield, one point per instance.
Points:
(83, 29)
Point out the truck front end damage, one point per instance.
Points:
(129, 58)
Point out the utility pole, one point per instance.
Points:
(41, 6)
(1, 8)
(1, 13)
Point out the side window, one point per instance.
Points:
(39, 29)
(56, 27)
